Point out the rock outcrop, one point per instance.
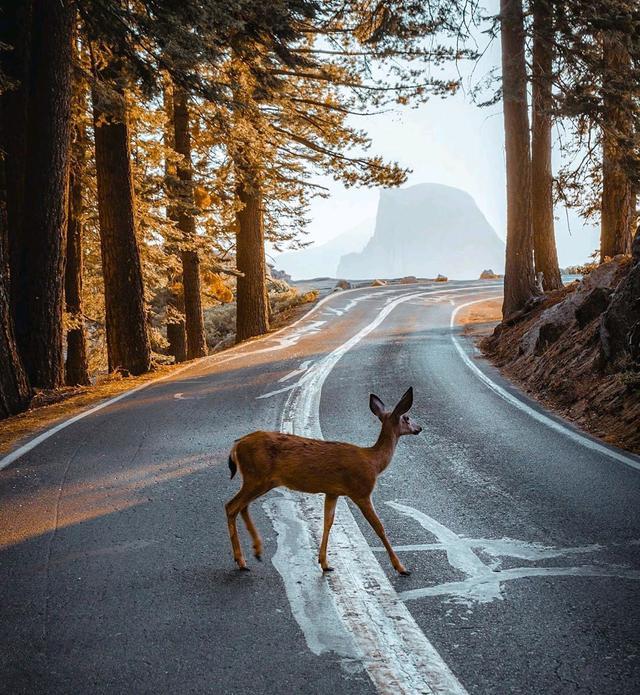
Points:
(425, 230)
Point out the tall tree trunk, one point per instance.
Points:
(519, 281)
(15, 24)
(39, 275)
(194, 319)
(176, 332)
(14, 389)
(618, 201)
(544, 243)
(77, 370)
(127, 338)
(252, 301)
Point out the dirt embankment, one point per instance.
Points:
(576, 352)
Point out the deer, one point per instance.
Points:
(267, 460)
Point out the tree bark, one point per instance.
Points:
(77, 370)
(16, 32)
(544, 243)
(194, 319)
(127, 338)
(519, 280)
(177, 337)
(14, 389)
(176, 332)
(618, 200)
(39, 272)
(252, 301)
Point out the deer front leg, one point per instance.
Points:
(232, 507)
(329, 513)
(366, 507)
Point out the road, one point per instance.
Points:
(523, 537)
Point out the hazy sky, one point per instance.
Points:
(449, 141)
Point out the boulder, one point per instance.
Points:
(593, 305)
(442, 278)
(378, 283)
(590, 299)
(488, 275)
(343, 285)
(408, 280)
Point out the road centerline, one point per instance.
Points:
(391, 646)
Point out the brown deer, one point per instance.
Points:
(271, 459)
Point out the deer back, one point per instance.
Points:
(307, 465)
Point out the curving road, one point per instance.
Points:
(523, 535)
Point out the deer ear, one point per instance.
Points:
(377, 406)
(404, 403)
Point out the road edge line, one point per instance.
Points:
(31, 444)
(565, 429)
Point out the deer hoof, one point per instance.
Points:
(327, 569)
(405, 573)
(244, 568)
(258, 557)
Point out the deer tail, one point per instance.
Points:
(233, 465)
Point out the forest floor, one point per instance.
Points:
(563, 375)
(48, 408)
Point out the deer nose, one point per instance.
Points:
(418, 429)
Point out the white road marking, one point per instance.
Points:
(214, 359)
(233, 353)
(300, 370)
(483, 582)
(395, 652)
(621, 457)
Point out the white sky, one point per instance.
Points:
(448, 141)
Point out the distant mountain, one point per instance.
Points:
(424, 230)
(322, 259)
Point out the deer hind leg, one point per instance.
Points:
(237, 505)
(329, 513)
(366, 507)
(253, 531)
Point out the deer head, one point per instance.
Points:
(397, 419)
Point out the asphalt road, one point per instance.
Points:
(523, 539)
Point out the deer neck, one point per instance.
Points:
(384, 448)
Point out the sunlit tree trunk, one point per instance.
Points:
(252, 302)
(618, 201)
(39, 272)
(176, 332)
(519, 281)
(127, 338)
(76, 368)
(194, 320)
(544, 243)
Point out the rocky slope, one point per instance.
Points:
(579, 351)
(424, 230)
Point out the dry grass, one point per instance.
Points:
(480, 319)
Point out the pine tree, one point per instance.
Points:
(14, 389)
(545, 252)
(39, 296)
(618, 200)
(192, 292)
(127, 338)
(519, 283)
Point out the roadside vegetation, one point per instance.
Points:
(149, 152)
